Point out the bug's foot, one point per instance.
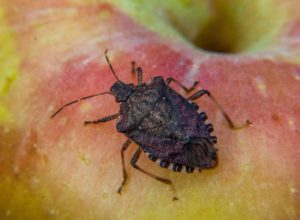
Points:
(175, 198)
(120, 190)
(247, 124)
(87, 123)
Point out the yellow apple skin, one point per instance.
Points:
(59, 169)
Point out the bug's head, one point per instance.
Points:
(121, 91)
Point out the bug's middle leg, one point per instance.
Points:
(104, 119)
(187, 90)
(133, 162)
(202, 92)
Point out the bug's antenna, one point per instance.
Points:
(75, 101)
(110, 66)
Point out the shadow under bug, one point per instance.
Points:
(169, 128)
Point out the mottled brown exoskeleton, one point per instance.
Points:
(169, 128)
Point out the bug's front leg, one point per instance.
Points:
(187, 90)
(133, 162)
(139, 72)
(104, 119)
(225, 115)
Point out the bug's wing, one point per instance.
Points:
(201, 155)
(197, 155)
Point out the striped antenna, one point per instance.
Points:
(110, 66)
(75, 101)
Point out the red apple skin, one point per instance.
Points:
(59, 169)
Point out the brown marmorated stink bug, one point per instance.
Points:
(169, 128)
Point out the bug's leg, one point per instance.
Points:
(104, 119)
(187, 90)
(124, 148)
(133, 162)
(78, 100)
(139, 72)
(140, 75)
(226, 116)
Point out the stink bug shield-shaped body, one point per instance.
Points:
(169, 128)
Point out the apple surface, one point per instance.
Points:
(246, 53)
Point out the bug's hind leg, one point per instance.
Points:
(187, 90)
(226, 116)
(134, 160)
(139, 72)
(104, 119)
(125, 176)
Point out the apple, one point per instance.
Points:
(246, 53)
